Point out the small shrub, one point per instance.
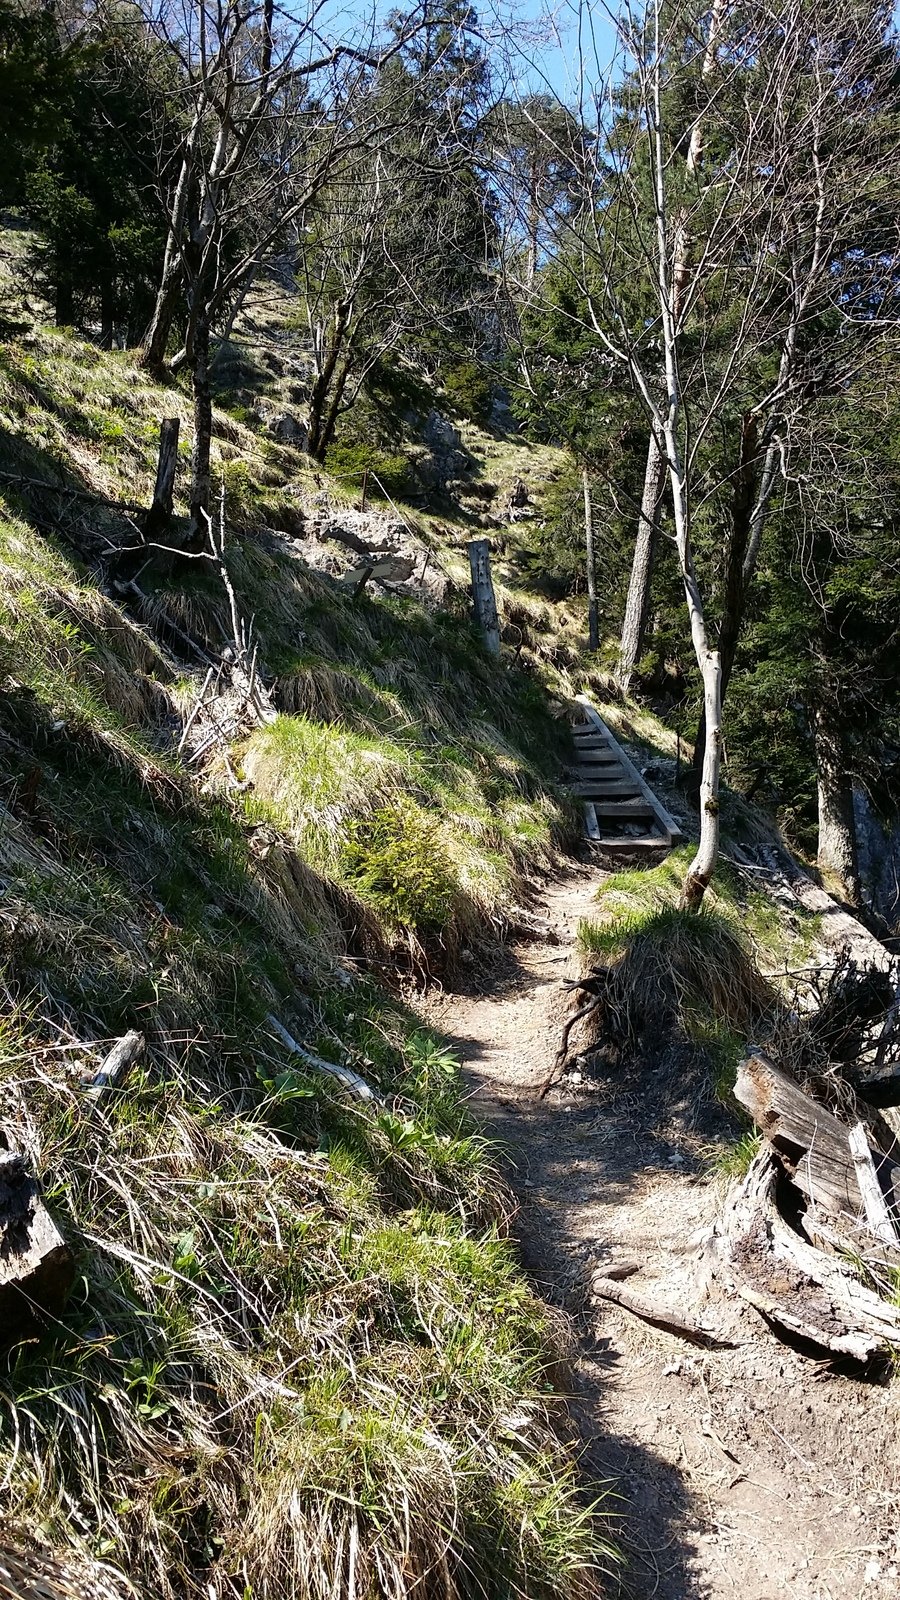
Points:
(470, 391)
(388, 472)
(241, 489)
(396, 859)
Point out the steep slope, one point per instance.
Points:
(299, 1356)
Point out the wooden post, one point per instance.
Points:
(365, 486)
(160, 512)
(483, 594)
(593, 627)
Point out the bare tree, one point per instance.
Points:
(732, 188)
(398, 242)
(262, 98)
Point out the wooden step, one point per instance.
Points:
(623, 842)
(624, 809)
(596, 785)
(606, 789)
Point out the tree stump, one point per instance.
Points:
(36, 1265)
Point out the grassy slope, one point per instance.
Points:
(299, 1358)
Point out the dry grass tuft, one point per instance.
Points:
(663, 966)
(30, 1574)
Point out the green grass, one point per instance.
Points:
(780, 938)
(275, 1347)
(734, 1160)
(300, 1355)
(297, 1325)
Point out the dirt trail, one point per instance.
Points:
(752, 1472)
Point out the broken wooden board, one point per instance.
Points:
(807, 1292)
(809, 1135)
(121, 1058)
(36, 1264)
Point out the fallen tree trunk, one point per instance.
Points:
(810, 1136)
(806, 1292)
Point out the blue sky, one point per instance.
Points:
(553, 41)
(545, 40)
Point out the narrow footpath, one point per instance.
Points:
(750, 1471)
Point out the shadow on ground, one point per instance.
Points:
(562, 1155)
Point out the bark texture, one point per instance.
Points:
(637, 604)
(837, 852)
(593, 625)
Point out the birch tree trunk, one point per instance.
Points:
(745, 503)
(670, 288)
(593, 627)
(637, 604)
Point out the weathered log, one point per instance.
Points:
(36, 1265)
(810, 1294)
(811, 1136)
(124, 1053)
(607, 1288)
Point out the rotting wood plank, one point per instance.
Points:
(878, 1216)
(37, 1267)
(809, 1293)
(811, 1136)
(802, 1129)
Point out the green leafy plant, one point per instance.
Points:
(469, 390)
(396, 859)
(388, 472)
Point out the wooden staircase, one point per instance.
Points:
(621, 812)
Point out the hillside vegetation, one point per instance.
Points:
(299, 1349)
(295, 304)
